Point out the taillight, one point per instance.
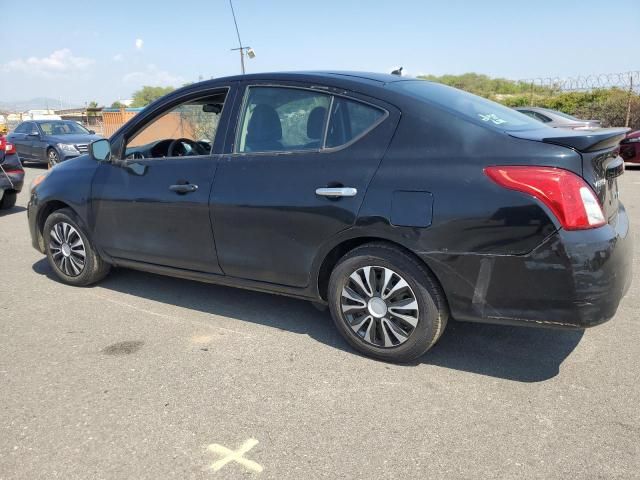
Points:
(9, 148)
(566, 194)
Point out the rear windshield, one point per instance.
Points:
(471, 106)
(564, 115)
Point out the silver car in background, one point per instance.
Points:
(557, 119)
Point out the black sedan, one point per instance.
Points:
(51, 141)
(399, 203)
(11, 174)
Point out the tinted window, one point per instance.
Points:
(541, 117)
(62, 128)
(565, 115)
(349, 120)
(23, 128)
(468, 105)
(283, 119)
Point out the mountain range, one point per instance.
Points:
(34, 104)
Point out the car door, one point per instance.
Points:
(298, 164)
(152, 205)
(19, 138)
(31, 141)
(38, 144)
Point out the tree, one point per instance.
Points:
(92, 104)
(118, 104)
(147, 94)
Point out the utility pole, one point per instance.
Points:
(626, 123)
(241, 49)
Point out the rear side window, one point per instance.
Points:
(349, 120)
(283, 119)
(279, 119)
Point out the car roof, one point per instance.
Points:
(41, 120)
(317, 75)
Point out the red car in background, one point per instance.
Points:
(630, 147)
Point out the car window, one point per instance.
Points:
(282, 119)
(566, 115)
(63, 128)
(31, 128)
(349, 120)
(187, 129)
(542, 117)
(22, 128)
(467, 105)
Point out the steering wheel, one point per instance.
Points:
(179, 141)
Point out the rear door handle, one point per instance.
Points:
(183, 188)
(337, 192)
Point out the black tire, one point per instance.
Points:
(94, 268)
(8, 200)
(432, 312)
(52, 157)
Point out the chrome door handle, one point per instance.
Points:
(337, 192)
(183, 188)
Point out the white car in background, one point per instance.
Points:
(556, 119)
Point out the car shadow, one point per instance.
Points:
(12, 210)
(34, 165)
(513, 353)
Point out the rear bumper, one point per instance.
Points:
(15, 181)
(12, 173)
(572, 280)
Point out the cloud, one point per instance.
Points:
(139, 43)
(118, 57)
(59, 63)
(152, 75)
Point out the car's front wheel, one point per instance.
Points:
(69, 251)
(386, 303)
(52, 157)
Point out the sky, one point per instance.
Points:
(79, 51)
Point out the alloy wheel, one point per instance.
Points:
(379, 306)
(53, 157)
(67, 249)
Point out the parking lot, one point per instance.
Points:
(144, 376)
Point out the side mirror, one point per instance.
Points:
(100, 150)
(93, 132)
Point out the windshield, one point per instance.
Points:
(471, 106)
(63, 128)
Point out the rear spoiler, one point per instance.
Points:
(581, 140)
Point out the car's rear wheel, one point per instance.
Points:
(52, 157)
(386, 304)
(69, 251)
(8, 200)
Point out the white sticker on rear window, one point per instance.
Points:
(492, 117)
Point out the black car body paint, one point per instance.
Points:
(499, 255)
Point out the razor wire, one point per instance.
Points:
(629, 81)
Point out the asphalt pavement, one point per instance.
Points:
(148, 377)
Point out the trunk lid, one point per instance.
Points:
(601, 162)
